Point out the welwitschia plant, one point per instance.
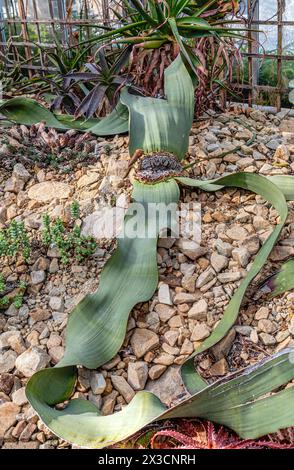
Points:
(97, 326)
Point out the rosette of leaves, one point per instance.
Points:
(253, 402)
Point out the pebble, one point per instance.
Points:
(164, 359)
(143, 340)
(97, 382)
(32, 360)
(8, 416)
(223, 248)
(156, 371)
(184, 298)
(242, 256)
(56, 304)
(164, 312)
(164, 296)
(220, 368)
(7, 361)
(199, 310)
(267, 339)
(122, 386)
(48, 191)
(191, 249)
(237, 232)
(137, 375)
(200, 332)
(226, 277)
(205, 277)
(218, 262)
(19, 396)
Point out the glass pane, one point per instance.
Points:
(288, 74)
(268, 72)
(289, 10)
(39, 9)
(268, 38)
(288, 40)
(268, 10)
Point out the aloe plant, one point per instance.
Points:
(97, 326)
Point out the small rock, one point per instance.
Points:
(8, 416)
(7, 361)
(16, 342)
(97, 382)
(122, 386)
(200, 332)
(164, 312)
(164, 359)
(199, 310)
(242, 256)
(220, 368)
(39, 314)
(254, 337)
(243, 330)
(95, 399)
(252, 243)
(273, 144)
(143, 340)
(20, 172)
(266, 326)
(237, 232)
(137, 375)
(168, 387)
(6, 383)
(281, 253)
(184, 298)
(27, 432)
(267, 340)
(218, 262)
(164, 296)
(224, 278)
(156, 371)
(56, 303)
(187, 347)
(205, 277)
(223, 248)
(19, 396)
(223, 348)
(48, 191)
(282, 154)
(32, 360)
(108, 403)
(54, 266)
(111, 364)
(56, 353)
(191, 249)
(37, 277)
(175, 322)
(171, 337)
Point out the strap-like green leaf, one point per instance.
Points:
(163, 125)
(27, 111)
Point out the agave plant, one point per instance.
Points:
(157, 31)
(244, 402)
(105, 80)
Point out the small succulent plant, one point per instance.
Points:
(195, 434)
